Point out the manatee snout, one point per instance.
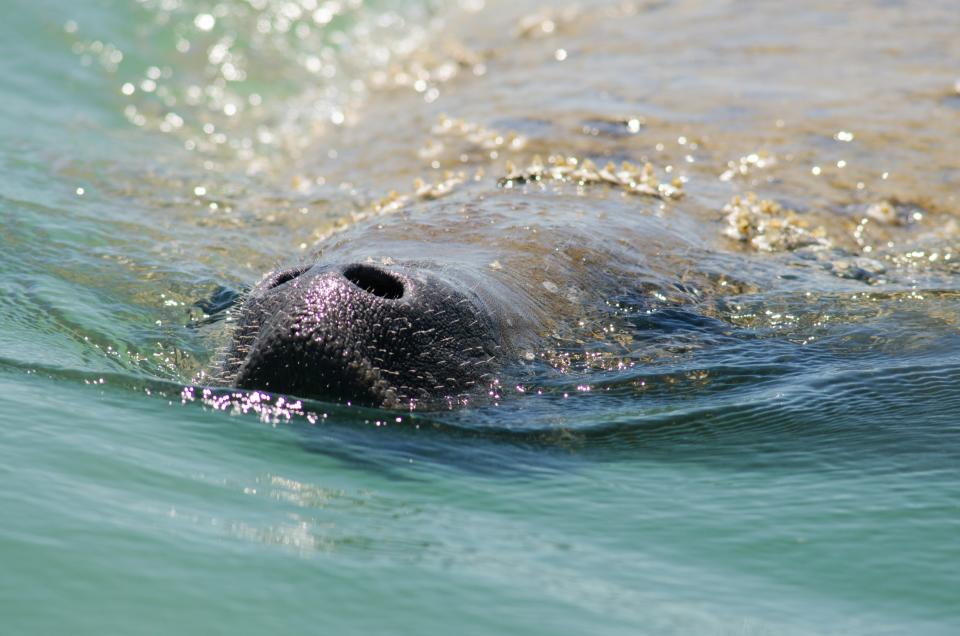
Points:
(363, 333)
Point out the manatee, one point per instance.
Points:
(369, 333)
(439, 304)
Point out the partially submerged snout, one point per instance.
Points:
(371, 334)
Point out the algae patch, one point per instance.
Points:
(769, 227)
(627, 177)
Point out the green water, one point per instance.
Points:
(792, 468)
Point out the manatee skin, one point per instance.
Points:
(364, 333)
(432, 307)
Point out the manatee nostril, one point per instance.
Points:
(279, 278)
(374, 281)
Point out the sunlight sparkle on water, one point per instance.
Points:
(205, 21)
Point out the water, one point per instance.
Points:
(768, 447)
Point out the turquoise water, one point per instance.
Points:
(786, 465)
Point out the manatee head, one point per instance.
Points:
(394, 335)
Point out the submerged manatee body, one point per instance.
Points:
(431, 306)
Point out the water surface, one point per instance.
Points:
(770, 446)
